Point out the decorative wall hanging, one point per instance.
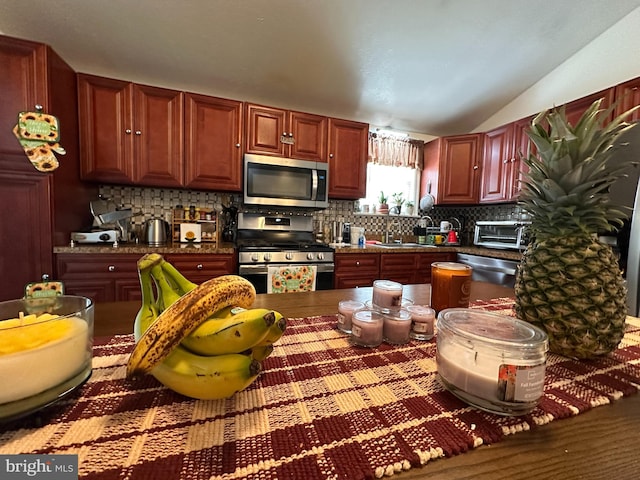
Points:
(39, 134)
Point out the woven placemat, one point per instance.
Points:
(321, 409)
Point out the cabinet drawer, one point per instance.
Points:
(114, 265)
(355, 262)
(201, 267)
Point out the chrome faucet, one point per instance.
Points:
(389, 237)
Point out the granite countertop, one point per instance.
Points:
(227, 248)
(471, 250)
(141, 249)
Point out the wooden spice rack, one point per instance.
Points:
(206, 218)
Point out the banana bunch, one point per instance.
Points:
(203, 341)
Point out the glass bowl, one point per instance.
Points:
(45, 351)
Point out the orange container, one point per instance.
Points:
(450, 285)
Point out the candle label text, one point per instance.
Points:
(520, 383)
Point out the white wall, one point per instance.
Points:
(612, 58)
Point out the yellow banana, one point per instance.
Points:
(233, 334)
(206, 378)
(260, 352)
(184, 315)
(275, 332)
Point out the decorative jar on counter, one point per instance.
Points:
(397, 326)
(346, 308)
(491, 361)
(423, 319)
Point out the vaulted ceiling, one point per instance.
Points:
(436, 67)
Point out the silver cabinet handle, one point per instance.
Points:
(475, 167)
(138, 132)
(357, 263)
(199, 266)
(111, 268)
(128, 131)
(331, 155)
(237, 145)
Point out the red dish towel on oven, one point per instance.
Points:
(291, 278)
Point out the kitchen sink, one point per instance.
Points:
(403, 245)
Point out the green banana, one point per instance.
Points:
(183, 315)
(180, 283)
(148, 311)
(167, 296)
(206, 378)
(236, 333)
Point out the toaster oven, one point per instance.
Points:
(505, 234)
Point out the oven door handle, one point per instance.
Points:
(264, 268)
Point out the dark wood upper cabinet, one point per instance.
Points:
(628, 96)
(130, 133)
(213, 143)
(452, 169)
(273, 131)
(348, 144)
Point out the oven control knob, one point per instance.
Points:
(309, 256)
(267, 257)
(254, 257)
(288, 255)
(320, 256)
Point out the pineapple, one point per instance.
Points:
(568, 282)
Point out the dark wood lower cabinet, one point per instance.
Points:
(356, 269)
(110, 277)
(411, 268)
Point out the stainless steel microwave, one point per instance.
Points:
(285, 182)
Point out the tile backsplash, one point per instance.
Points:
(159, 203)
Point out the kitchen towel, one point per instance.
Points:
(291, 278)
(321, 409)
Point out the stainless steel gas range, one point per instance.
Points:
(281, 240)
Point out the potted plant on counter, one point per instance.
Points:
(384, 206)
(398, 200)
(410, 208)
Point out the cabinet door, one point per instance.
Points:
(459, 174)
(106, 129)
(309, 137)
(213, 143)
(576, 108)
(103, 277)
(158, 131)
(399, 267)
(356, 270)
(265, 128)
(347, 150)
(522, 148)
(628, 96)
(23, 86)
(201, 267)
(497, 163)
(25, 231)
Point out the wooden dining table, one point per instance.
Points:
(600, 443)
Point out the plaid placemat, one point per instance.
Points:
(321, 409)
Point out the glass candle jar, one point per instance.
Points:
(345, 313)
(397, 326)
(366, 328)
(450, 285)
(491, 361)
(422, 322)
(387, 295)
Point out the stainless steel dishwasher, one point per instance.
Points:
(493, 270)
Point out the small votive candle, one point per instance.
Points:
(387, 295)
(422, 320)
(366, 328)
(396, 327)
(345, 313)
